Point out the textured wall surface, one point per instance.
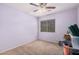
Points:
(78, 16)
(16, 28)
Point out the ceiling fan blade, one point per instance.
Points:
(35, 10)
(50, 7)
(33, 4)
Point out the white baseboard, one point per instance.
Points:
(20, 44)
(49, 41)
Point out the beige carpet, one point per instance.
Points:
(37, 47)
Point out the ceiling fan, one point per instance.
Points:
(42, 6)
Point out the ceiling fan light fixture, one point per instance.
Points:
(42, 7)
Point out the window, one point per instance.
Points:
(48, 25)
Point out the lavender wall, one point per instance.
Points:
(63, 20)
(16, 28)
(78, 16)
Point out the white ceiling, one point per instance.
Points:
(27, 8)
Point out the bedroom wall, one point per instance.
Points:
(78, 16)
(16, 28)
(63, 19)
